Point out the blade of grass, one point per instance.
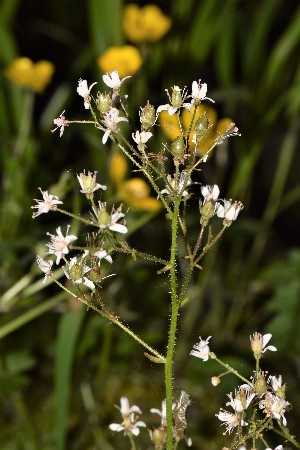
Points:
(68, 332)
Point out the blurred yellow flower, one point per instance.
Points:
(146, 24)
(30, 75)
(125, 59)
(135, 192)
(216, 128)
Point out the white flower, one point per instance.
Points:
(84, 91)
(201, 350)
(279, 447)
(176, 101)
(104, 220)
(210, 193)
(231, 420)
(112, 80)
(228, 211)
(274, 406)
(61, 123)
(111, 120)
(102, 254)
(259, 342)
(49, 203)
(141, 138)
(59, 245)
(162, 413)
(129, 424)
(242, 399)
(199, 93)
(176, 185)
(276, 383)
(76, 271)
(232, 130)
(88, 183)
(45, 267)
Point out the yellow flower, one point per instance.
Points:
(126, 60)
(146, 24)
(135, 192)
(216, 128)
(26, 73)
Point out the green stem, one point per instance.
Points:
(173, 328)
(110, 316)
(133, 447)
(229, 368)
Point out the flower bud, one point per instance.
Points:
(215, 381)
(75, 272)
(147, 117)
(104, 103)
(176, 100)
(260, 386)
(201, 127)
(178, 147)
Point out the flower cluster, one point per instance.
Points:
(261, 394)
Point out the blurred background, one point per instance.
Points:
(62, 368)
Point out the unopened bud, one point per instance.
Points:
(104, 103)
(280, 393)
(178, 147)
(215, 381)
(147, 117)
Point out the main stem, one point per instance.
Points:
(172, 330)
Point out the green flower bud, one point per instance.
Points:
(280, 393)
(201, 127)
(158, 437)
(147, 117)
(178, 147)
(103, 103)
(75, 272)
(176, 100)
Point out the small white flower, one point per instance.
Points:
(228, 211)
(276, 382)
(259, 342)
(162, 413)
(102, 254)
(232, 130)
(45, 267)
(279, 447)
(201, 350)
(210, 193)
(61, 122)
(88, 183)
(141, 138)
(84, 91)
(111, 120)
(104, 220)
(274, 406)
(199, 92)
(230, 420)
(242, 399)
(112, 79)
(176, 101)
(76, 271)
(176, 185)
(129, 424)
(49, 203)
(59, 245)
